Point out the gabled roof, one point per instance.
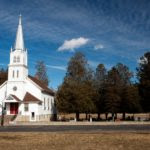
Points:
(16, 98)
(45, 89)
(30, 98)
(12, 99)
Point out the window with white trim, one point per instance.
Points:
(18, 59)
(13, 74)
(48, 103)
(44, 104)
(26, 107)
(14, 60)
(17, 73)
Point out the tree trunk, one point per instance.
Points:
(2, 117)
(116, 116)
(113, 117)
(77, 116)
(123, 116)
(86, 116)
(133, 116)
(98, 116)
(106, 115)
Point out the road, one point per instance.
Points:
(77, 128)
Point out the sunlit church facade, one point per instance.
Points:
(23, 95)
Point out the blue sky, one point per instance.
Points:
(106, 31)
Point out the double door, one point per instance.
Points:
(14, 108)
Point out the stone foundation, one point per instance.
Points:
(42, 118)
(22, 118)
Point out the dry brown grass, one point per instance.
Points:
(74, 141)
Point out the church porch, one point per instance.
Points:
(12, 104)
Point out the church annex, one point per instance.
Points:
(23, 95)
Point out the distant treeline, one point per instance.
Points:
(104, 91)
(3, 75)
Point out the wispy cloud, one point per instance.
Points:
(98, 46)
(70, 45)
(63, 68)
(1, 64)
(119, 30)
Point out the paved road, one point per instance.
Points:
(80, 128)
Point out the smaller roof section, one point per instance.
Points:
(29, 98)
(12, 99)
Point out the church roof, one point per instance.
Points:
(45, 89)
(15, 97)
(12, 99)
(30, 98)
(19, 43)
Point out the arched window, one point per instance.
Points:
(13, 75)
(44, 104)
(17, 73)
(18, 59)
(14, 59)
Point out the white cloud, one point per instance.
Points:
(142, 61)
(63, 68)
(98, 46)
(73, 43)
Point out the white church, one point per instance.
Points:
(23, 95)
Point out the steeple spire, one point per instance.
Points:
(20, 19)
(19, 43)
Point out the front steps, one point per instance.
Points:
(8, 119)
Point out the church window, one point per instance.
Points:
(18, 59)
(17, 73)
(14, 59)
(26, 107)
(44, 104)
(13, 74)
(48, 103)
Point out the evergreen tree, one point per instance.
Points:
(41, 72)
(100, 78)
(111, 92)
(144, 81)
(130, 100)
(124, 73)
(125, 86)
(76, 93)
(3, 75)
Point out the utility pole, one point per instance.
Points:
(2, 116)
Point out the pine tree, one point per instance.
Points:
(41, 72)
(76, 92)
(3, 75)
(99, 81)
(143, 73)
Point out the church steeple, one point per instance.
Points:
(19, 43)
(18, 66)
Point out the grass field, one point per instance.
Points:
(74, 141)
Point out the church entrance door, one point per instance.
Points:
(14, 108)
